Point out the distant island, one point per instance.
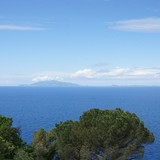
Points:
(51, 83)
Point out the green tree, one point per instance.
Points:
(103, 134)
(43, 144)
(10, 139)
(21, 154)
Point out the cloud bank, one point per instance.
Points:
(91, 77)
(118, 73)
(107, 76)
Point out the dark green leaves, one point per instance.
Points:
(10, 140)
(119, 135)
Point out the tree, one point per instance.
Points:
(43, 145)
(102, 134)
(10, 139)
(98, 135)
(21, 154)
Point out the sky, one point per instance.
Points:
(89, 42)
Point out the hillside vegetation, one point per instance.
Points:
(98, 135)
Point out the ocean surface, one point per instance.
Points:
(35, 108)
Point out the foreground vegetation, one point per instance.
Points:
(98, 135)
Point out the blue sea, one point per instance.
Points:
(33, 108)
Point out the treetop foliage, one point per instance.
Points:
(100, 134)
(97, 135)
(10, 139)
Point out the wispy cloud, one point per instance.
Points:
(110, 73)
(87, 73)
(118, 73)
(19, 28)
(106, 76)
(141, 25)
(91, 76)
(41, 78)
(46, 78)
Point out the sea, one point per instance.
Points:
(32, 108)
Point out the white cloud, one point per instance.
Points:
(144, 72)
(141, 25)
(107, 76)
(130, 73)
(85, 73)
(41, 78)
(118, 73)
(46, 78)
(20, 28)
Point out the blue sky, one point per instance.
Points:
(90, 42)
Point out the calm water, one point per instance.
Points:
(34, 108)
